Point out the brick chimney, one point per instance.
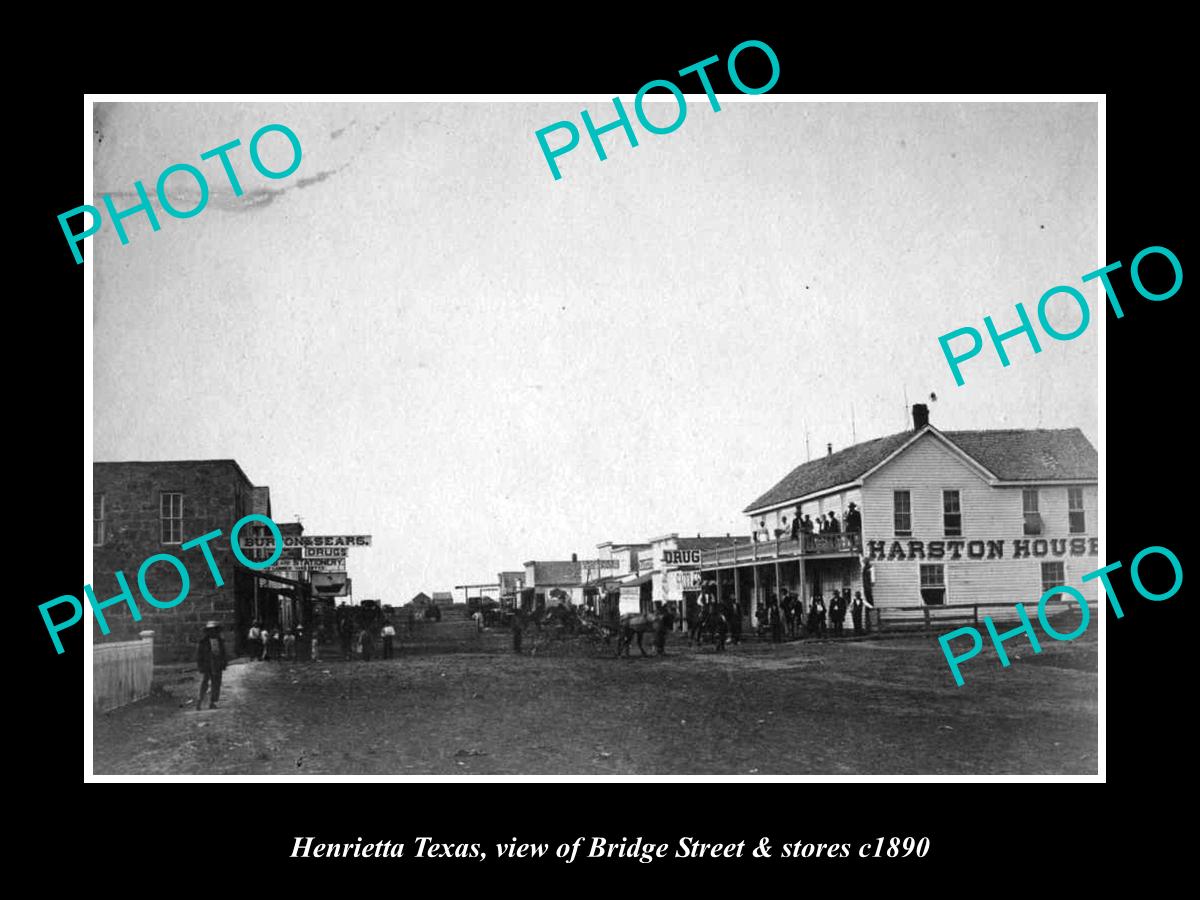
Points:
(574, 557)
(920, 416)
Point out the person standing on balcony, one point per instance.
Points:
(795, 530)
(806, 527)
(853, 519)
(782, 531)
(834, 527)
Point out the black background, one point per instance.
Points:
(979, 831)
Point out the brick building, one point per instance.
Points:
(147, 508)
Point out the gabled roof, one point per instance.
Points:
(1058, 454)
(445, 596)
(420, 599)
(830, 471)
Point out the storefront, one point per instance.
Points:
(926, 519)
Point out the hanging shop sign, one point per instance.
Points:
(290, 541)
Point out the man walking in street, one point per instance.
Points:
(210, 660)
(517, 625)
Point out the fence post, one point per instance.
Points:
(976, 608)
(927, 617)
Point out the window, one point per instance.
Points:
(170, 514)
(902, 512)
(952, 513)
(1052, 576)
(1075, 510)
(1029, 503)
(98, 519)
(933, 584)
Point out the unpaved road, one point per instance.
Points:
(880, 706)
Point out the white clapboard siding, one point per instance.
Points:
(989, 513)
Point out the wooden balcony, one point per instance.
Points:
(845, 544)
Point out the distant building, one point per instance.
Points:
(551, 582)
(511, 585)
(422, 599)
(443, 598)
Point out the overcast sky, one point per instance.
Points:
(422, 336)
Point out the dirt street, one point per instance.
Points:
(876, 706)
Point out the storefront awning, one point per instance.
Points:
(635, 582)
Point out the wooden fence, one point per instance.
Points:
(894, 618)
(122, 672)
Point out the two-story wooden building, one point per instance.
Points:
(939, 518)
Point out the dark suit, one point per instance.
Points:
(210, 660)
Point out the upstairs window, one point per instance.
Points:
(952, 513)
(1078, 521)
(902, 513)
(1029, 503)
(98, 519)
(170, 514)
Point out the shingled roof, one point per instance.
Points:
(830, 471)
(1061, 454)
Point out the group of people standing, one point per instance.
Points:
(820, 620)
(785, 618)
(826, 523)
(359, 637)
(267, 644)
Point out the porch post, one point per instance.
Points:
(754, 599)
(737, 590)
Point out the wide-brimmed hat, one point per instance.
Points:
(212, 624)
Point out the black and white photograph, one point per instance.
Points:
(506, 438)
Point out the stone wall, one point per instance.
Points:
(215, 495)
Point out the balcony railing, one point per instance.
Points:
(844, 543)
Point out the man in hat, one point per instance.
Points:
(857, 606)
(210, 660)
(853, 519)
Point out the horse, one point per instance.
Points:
(639, 624)
(712, 624)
